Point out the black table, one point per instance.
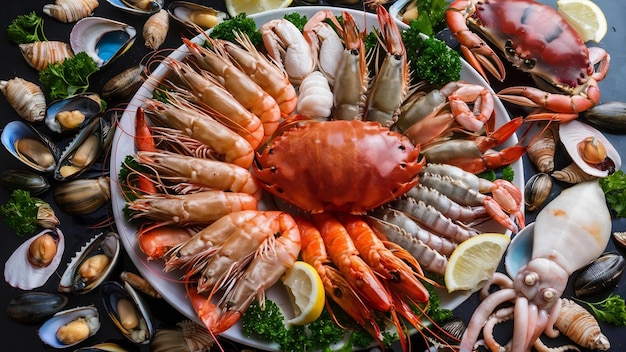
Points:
(21, 337)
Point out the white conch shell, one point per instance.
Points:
(573, 132)
(20, 273)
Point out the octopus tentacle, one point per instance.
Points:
(541, 347)
(550, 331)
(499, 316)
(481, 314)
(523, 319)
(498, 279)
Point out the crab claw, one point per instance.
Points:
(561, 103)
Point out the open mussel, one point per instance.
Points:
(102, 39)
(23, 179)
(600, 275)
(30, 147)
(404, 10)
(589, 149)
(34, 307)
(138, 7)
(72, 113)
(92, 264)
(194, 15)
(537, 190)
(70, 327)
(86, 147)
(128, 311)
(35, 260)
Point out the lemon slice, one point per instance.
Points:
(585, 16)
(474, 261)
(306, 292)
(249, 7)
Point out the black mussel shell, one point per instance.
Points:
(35, 307)
(600, 276)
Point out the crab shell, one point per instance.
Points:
(535, 39)
(348, 166)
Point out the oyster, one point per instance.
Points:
(26, 180)
(29, 146)
(128, 311)
(33, 307)
(92, 264)
(21, 273)
(195, 15)
(70, 327)
(72, 113)
(138, 7)
(102, 39)
(573, 133)
(84, 149)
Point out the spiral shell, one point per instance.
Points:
(68, 11)
(572, 173)
(25, 97)
(155, 29)
(580, 326)
(315, 99)
(39, 54)
(542, 148)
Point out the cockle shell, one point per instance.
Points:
(29, 146)
(39, 54)
(138, 7)
(188, 334)
(48, 331)
(574, 132)
(68, 11)
(542, 148)
(20, 273)
(102, 39)
(155, 29)
(107, 244)
(25, 97)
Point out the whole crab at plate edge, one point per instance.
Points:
(535, 39)
(568, 234)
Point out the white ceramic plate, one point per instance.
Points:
(123, 145)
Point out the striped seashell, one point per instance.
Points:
(155, 29)
(25, 97)
(40, 54)
(68, 11)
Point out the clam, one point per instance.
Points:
(128, 311)
(124, 85)
(34, 307)
(29, 146)
(102, 39)
(620, 238)
(83, 196)
(138, 7)
(45, 250)
(72, 113)
(187, 336)
(609, 116)
(92, 264)
(195, 15)
(584, 142)
(70, 327)
(84, 149)
(537, 190)
(600, 276)
(23, 179)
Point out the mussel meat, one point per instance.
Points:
(34, 307)
(138, 7)
(72, 113)
(29, 146)
(600, 275)
(573, 133)
(609, 116)
(23, 179)
(102, 39)
(195, 15)
(404, 10)
(21, 273)
(70, 327)
(92, 264)
(537, 190)
(128, 311)
(83, 196)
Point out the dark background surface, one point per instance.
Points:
(21, 337)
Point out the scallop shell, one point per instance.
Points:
(574, 132)
(34, 307)
(102, 39)
(88, 104)
(138, 7)
(89, 143)
(187, 13)
(108, 244)
(68, 11)
(47, 331)
(25, 97)
(40, 54)
(112, 292)
(20, 273)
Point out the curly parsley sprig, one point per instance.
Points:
(68, 77)
(24, 213)
(610, 310)
(26, 28)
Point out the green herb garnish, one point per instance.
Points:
(26, 28)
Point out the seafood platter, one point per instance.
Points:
(190, 166)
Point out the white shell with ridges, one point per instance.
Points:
(574, 132)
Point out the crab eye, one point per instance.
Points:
(530, 63)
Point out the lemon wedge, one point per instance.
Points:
(249, 7)
(585, 16)
(306, 292)
(474, 261)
